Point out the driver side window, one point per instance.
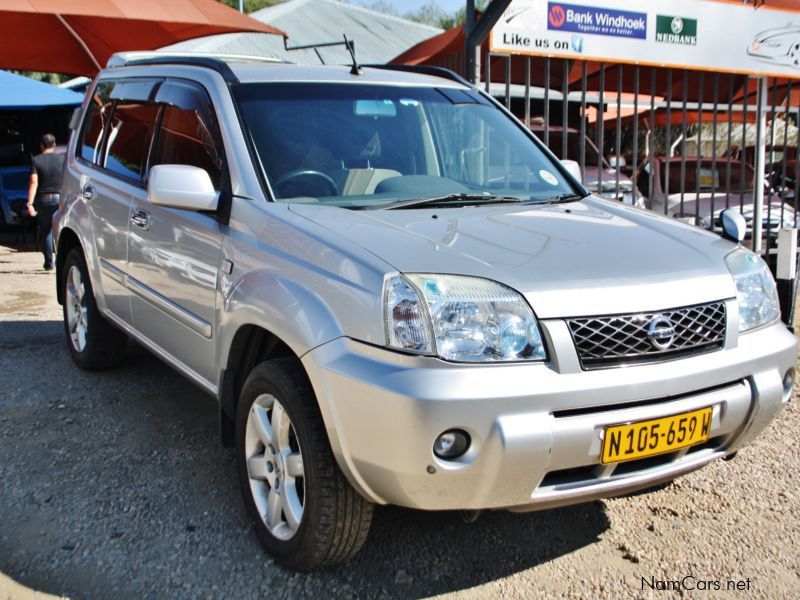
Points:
(188, 133)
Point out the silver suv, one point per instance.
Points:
(399, 296)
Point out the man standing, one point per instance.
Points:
(43, 193)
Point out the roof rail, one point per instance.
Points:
(215, 62)
(425, 70)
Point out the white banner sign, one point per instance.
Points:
(692, 34)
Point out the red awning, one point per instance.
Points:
(79, 36)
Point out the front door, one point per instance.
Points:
(173, 253)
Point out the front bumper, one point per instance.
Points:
(536, 429)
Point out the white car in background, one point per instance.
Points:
(780, 45)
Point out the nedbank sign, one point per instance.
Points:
(706, 35)
(676, 30)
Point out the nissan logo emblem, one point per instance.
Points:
(661, 332)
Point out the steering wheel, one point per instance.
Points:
(328, 182)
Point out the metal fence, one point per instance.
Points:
(682, 143)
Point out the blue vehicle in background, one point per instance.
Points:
(13, 194)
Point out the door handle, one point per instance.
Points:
(140, 218)
(88, 192)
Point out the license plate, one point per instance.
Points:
(656, 436)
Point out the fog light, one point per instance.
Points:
(788, 383)
(451, 444)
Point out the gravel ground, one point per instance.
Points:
(115, 485)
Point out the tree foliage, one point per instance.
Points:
(53, 78)
(430, 13)
(250, 5)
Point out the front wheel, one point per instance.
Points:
(93, 342)
(305, 512)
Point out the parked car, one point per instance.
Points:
(399, 297)
(701, 189)
(780, 45)
(13, 194)
(602, 179)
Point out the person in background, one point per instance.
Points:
(43, 193)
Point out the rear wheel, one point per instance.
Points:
(93, 342)
(305, 512)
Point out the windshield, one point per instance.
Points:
(361, 146)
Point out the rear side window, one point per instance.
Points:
(99, 111)
(128, 138)
(188, 134)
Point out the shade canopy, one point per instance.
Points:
(79, 36)
(23, 93)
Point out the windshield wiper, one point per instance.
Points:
(570, 197)
(463, 198)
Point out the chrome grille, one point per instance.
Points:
(619, 339)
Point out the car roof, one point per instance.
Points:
(249, 73)
(249, 69)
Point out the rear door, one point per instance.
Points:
(174, 254)
(113, 149)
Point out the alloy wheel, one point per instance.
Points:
(77, 317)
(275, 467)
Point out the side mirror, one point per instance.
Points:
(573, 168)
(734, 226)
(617, 162)
(181, 186)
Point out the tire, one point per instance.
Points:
(93, 342)
(334, 519)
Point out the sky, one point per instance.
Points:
(402, 6)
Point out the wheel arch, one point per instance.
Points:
(251, 345)
(67, 240)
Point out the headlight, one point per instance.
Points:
(465, 319)
(755, 289)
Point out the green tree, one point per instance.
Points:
(430, 13)
(250, 5)
(53, 78)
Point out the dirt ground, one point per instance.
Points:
(115, 485)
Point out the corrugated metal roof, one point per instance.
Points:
(378, 37)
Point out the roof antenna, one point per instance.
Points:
(351, 48)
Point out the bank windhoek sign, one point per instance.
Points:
(695, 34)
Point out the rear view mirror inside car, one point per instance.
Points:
(375, 108)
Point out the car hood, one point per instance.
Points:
(591, 257)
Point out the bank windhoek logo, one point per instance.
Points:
(556, 16)
(676, 30)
